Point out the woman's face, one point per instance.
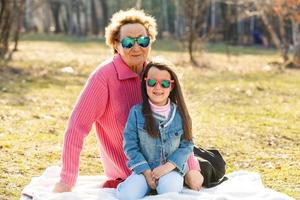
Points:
(135, 56)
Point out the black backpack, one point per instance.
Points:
(212, 166)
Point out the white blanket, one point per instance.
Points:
(241, 185)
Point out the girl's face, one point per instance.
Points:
(158, 94)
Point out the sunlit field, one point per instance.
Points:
(241, 103)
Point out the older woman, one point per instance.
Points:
(111, 90)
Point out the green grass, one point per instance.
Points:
(251, 114)
(238, 49)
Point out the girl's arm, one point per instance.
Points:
(180, 156)
(136, 160)
(162, 170)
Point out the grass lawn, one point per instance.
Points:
(239, 103)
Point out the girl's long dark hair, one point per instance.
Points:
(175, 96)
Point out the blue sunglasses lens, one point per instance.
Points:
(165, 83)
(128, 42)
(151, 82)
(143, 41)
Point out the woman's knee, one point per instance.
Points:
(171, 182)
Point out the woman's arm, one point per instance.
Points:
(90, 105)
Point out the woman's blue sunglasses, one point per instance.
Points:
(128, 42)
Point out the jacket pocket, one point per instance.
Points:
(175, 138)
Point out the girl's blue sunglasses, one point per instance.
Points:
(163, 83)
(128, 42)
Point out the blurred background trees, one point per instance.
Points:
(268, 23)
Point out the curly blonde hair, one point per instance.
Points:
(120, 18)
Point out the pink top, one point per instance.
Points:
(110, 92)
(162, 110)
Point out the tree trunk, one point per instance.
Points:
(195, 14)
(269, 27)
(179, 20)
(94, 16)
(6, 20)
(86, 5)
(104, 13)
(295, 32)
(271, 31)
(240, 25)
(27, 11)
(70, 22)
(189, 7)
(46, 17)
(285, 43)
(213, 15)
(165, 16)
(138, 4)
(55, 7)
(252, 24)
(20, 12)
(226, 15)
(296, 59)
(78, 16)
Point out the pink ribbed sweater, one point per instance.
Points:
(111, 90)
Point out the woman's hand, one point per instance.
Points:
(151, 181)
(62, 187)
(162, 170)
(194, 179)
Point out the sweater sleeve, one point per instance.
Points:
(90, 105)
(193, 163)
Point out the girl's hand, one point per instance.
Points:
(162, 170)
(151, 182)
(62, 187)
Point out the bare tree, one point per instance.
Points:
(78, 17)
(296, 41)
(104, 10)
(194, 11)
(19, 16)
(138, 4)
(283, 11)
(70, 21)
(55, 8)
(165, 16)
(179, 20)
(10, 16)
(94, 18)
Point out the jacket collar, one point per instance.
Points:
(166, 122)
(122, 69)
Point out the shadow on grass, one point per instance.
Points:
(16, 82)
(62, 38)
(222, 48)
(169, 45)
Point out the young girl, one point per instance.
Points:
(157, 136)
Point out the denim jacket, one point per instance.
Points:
(145, 152)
